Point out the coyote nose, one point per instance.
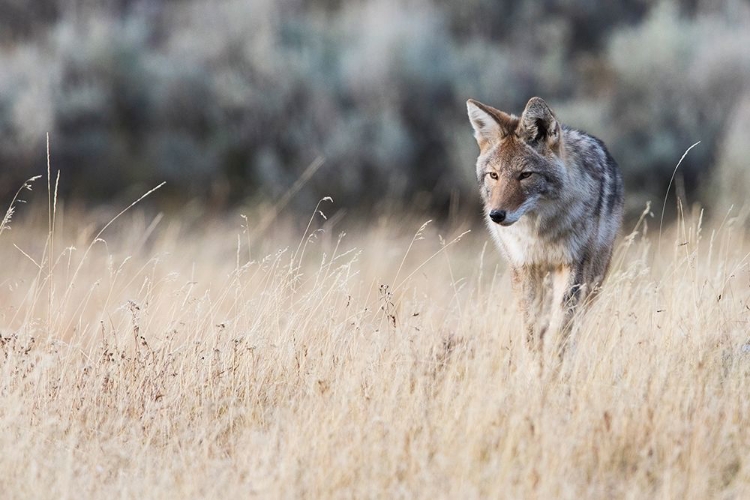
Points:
(497, 216)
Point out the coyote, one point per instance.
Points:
(553, 199)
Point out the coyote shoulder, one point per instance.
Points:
(553, 199)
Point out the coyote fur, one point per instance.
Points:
(553, 199)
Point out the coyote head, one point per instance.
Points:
(519, 164)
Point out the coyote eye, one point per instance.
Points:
(493, 175)
(525, 175)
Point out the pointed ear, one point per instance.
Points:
(490, 125)
(538, 123)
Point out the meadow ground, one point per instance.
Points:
(167, 359)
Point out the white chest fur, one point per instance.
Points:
(525, 243)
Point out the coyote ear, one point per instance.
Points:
(489, 124)
(538, 123)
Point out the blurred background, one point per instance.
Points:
(230, 101)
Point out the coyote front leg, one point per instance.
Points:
(568, 292)
(531, 286)
(548, 298)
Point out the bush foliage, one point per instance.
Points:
(231, 100)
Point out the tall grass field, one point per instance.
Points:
(149, 356)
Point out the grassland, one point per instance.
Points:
(185, 358)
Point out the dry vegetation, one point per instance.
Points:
(160, 361)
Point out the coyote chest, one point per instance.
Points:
(528, 243)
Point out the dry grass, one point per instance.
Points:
(162, 362)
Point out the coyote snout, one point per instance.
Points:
(509, 217)
(498, 217)
(553, 197)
